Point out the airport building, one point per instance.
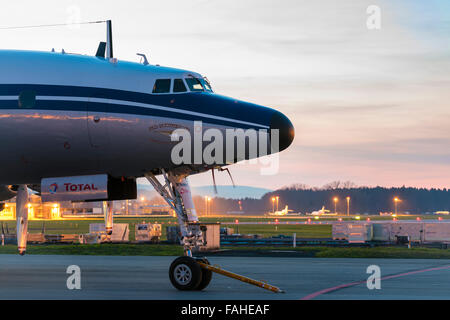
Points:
(54, 211)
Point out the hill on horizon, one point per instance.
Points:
(228, 192)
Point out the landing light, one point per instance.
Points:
(357, 217)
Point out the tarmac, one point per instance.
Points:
(131, 277)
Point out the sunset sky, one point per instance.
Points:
(370, 106)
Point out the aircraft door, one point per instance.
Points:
(97, 118)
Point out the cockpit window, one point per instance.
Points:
(198, 84)
(194, 84)
(206, 84)
(178, 86)
(162, 86)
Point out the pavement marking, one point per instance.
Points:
(352, 284)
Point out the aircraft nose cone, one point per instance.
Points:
(286, 129)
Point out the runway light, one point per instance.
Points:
(236, 221)
(340, 219)
(395, 219)
(440, 218)
(357, 217)
(418, 219)
(309, 220)
(368, 219)
(316, 217)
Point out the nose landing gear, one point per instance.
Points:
(206, 275)
(186, 274)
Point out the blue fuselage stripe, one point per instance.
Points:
(77, 106)
(199, 102)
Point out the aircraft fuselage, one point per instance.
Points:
(69, 115)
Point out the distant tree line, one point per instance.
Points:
(304, 199)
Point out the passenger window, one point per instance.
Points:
(178, 86)
(162, 86)
(27, 99)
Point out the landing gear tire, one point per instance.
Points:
(206, 275)
(185, 273)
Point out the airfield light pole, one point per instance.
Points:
(348, 206)
(396, 201)
(273, 204)
(335, 200)
(278, 198)
(209, 205)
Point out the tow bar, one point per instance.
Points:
(229, 274)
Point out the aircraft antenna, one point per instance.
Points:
(52, 25)
(109, 40)
(229, 173)
(214, 181)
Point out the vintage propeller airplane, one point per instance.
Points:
(84, 128)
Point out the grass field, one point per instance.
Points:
(303, 231)
(367, 252)
(82, 226)
(177, 250)
(99, 249)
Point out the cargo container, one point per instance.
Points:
(148, 232)
(120, 232)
